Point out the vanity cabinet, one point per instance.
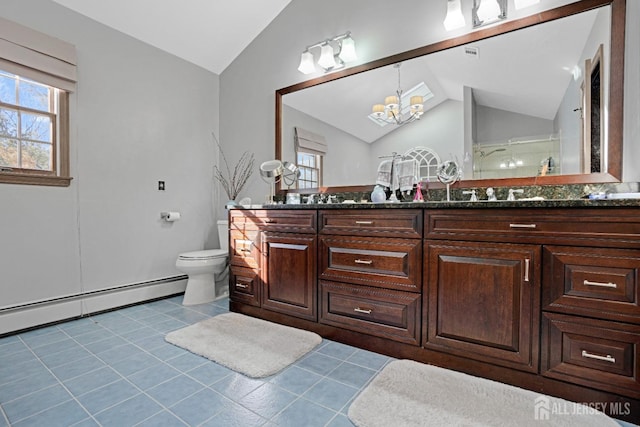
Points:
(543, 299)
(370, 272)
(482, 301)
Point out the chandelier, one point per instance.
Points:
(391, 112)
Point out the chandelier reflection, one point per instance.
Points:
(396, 110)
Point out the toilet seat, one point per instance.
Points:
(203, 255)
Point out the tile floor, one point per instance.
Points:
(115, 369)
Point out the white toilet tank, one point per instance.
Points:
(223, 234)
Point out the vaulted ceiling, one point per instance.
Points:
(208, 33)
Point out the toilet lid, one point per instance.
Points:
(206, 254)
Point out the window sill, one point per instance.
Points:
(33, 179)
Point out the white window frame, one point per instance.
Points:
(316, 166)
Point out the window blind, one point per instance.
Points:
(310, 142)
(37, 56)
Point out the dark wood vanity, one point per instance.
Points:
(539, 296)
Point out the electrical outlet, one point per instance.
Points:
(161, 185)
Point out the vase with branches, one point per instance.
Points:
(233, 181)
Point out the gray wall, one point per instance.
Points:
(496, 125)
(380, 28)
(357, 171)
(439, 129)
(139, 115)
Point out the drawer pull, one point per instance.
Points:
(364, 222)
(241, 285)
(606, 358)
(245, 250)
(361, 310)
(526, 269)
(522, 225)
(270, 221)
(600, 284)
(364, 261)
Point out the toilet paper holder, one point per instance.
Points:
(170, 216)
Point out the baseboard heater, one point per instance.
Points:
(81, 295)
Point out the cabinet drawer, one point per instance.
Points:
(244, 285)
(294, 221)
(388, 263)
(586, 226)
(381, 312)
(404, 223)
(245, 248)
(595, 282)
(594, 353)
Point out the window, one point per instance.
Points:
(37, 73)
(310, 148)
(310, 166)
(28, 124)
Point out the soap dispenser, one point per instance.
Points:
(378, 195)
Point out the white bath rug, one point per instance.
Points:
(254, 347)
(407, 393)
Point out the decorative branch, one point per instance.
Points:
(232, 183)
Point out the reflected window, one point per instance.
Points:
(310, 166)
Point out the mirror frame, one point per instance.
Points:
(616, 91)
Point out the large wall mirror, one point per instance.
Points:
(537, 100)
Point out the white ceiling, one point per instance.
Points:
(208, 33)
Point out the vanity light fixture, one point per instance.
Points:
(391, 112)
(454, 18)
(334, 53)
(521, 4)
(488, 11)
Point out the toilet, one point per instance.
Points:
(207, 271)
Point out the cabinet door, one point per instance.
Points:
(483, 302)
(289, 278)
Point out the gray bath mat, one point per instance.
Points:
(254, 347)
(408, 393)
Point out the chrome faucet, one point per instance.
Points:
(511, 197)
(491, 194)
(473, 198)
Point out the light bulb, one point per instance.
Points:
(306, 63)
(348, 51)
(488, 10)
(454, 18)
(521, 4)
(326, 60)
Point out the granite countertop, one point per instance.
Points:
(483, 204)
